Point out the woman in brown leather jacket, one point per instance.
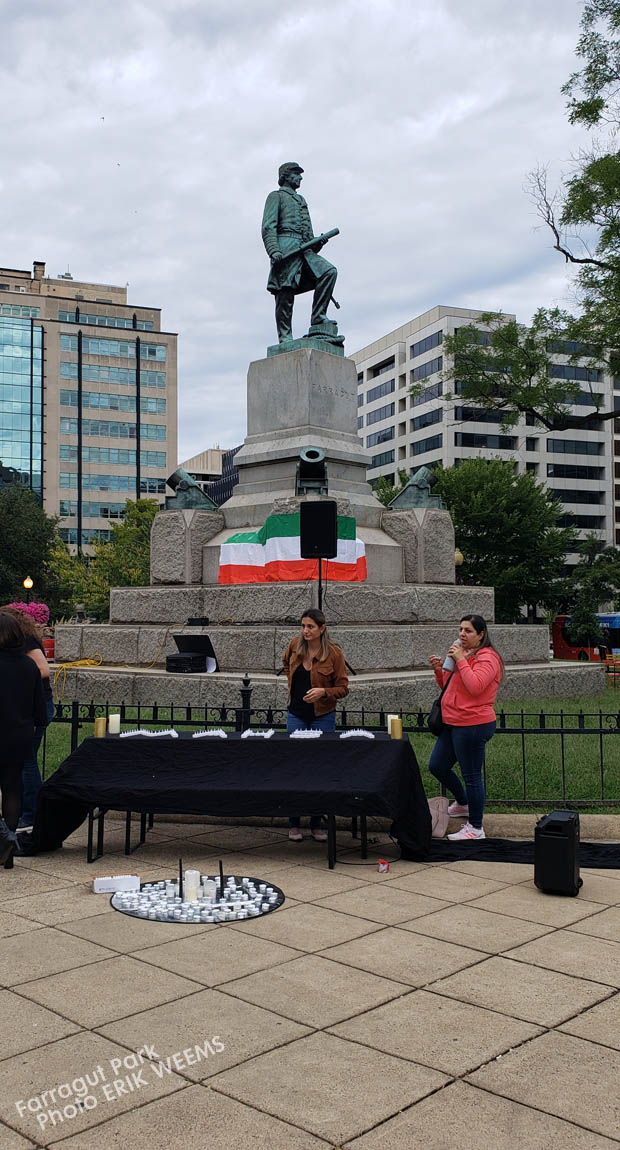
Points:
(317, 678)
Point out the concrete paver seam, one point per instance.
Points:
(537, 1109)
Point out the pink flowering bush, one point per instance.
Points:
(40, 612)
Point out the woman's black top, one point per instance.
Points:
(300, 686)
(22, 704)
(32, 644)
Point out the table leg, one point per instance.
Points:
(89, 842)
(331, 841)
(143, 818)
(91, 856)
(363, 837)
(100, 829)
(128, 833)
(354, 827)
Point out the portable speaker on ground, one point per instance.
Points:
(318, 529)
(195, 655)
(556, 853)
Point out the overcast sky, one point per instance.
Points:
(141, 139)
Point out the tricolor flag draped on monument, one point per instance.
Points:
(272, 554)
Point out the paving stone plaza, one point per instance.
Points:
(373, 1011)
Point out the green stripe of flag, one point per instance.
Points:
(281, 526)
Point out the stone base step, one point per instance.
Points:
(369, 649)
(279, 603)
(391, 692)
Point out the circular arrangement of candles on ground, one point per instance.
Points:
(198, 898)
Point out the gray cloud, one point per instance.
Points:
(140, 141)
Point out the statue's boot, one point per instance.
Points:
(322, 294)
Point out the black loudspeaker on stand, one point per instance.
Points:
(318, 533)
(556, 853)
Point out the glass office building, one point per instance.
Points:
(88, 398)
(21, 399)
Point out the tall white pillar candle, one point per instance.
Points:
(114, 724)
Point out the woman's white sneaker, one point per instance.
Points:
(455, 810)
(468, 832)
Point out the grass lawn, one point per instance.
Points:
(560, 770)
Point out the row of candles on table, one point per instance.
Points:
(111, 725)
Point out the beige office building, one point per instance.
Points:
(404, 431)
(69, 395)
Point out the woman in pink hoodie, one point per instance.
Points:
(469, 720)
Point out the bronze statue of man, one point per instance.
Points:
(286, 226)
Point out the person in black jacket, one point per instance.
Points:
(22, 708)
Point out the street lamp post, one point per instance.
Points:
(28, 585)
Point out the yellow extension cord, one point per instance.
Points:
(60, 676)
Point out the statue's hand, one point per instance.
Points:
(276, 257)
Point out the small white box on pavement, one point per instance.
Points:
(111, 883)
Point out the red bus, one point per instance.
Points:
(564, 648)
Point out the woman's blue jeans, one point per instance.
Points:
(326, 723)
(465, 746)
(31, 776)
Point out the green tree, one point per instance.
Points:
(506, 525)
(124, 561)
(507, 368)
(386, 491)
(27, 536)
(511, 373)
(68, 578)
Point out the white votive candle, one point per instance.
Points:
(114, 724)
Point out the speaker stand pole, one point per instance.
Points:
(320, 585)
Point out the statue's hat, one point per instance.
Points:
(289, 167)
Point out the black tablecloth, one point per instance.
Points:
(238, 777)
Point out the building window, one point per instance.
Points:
(68, 479)
(21, 399)
(578, 471)
(584, 522)
(20, 312)
(385, 388)
(380, 436)
(570, 371)
(471, 439)
(118, 347)
(360, 422)
(149, 403)
(387, 365)
(360, 400)
(423, 445)
(577, 496)
(533, 467)
(89, 535)
(426, 344)
(426, 420)
(433, 391)
(68, 454)
(425, 369)
(95, 373)
(575, 447)
(380, 413)
(381, 460)
(109, 429)
(105, 320)
(360, 377)
(478, 415)
(531, 444)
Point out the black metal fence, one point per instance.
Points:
(535, 760)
